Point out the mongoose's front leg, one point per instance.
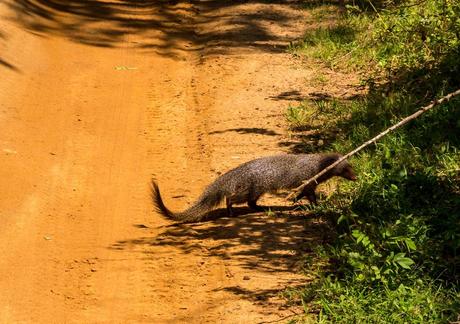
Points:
(311, 196)
(253, 205)
(229, 207)
(252, 197)
(308, 192)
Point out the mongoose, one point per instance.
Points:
(250, 180)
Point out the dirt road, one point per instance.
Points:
(96, 97)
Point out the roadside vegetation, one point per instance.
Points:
(394, 256)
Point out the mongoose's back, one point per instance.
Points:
(274, 172)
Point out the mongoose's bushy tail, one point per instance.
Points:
(208, 201)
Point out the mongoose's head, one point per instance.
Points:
(343, 170)
(347, 172)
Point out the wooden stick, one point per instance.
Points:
(434, 103)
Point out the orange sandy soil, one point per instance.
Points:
(96, 98)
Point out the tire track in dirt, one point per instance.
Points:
(109, 95)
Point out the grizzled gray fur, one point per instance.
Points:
(247, 182)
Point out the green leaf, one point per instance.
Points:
(403, 261)
(406, 263)
(410, 244)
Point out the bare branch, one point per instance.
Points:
(434, 103)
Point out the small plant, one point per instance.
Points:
(299, 116)
(319, 79)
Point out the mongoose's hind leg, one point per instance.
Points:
(228, 202)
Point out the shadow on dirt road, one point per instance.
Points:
(272, 244)
(161, 26)
(8, 65)
(3, 62)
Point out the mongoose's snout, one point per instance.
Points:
(349, 174)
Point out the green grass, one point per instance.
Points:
(337, 46)
(319, 79)
(394, 256)
(399, 223)
(352, 302)
(299, 116)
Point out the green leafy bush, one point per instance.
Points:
(398, 227)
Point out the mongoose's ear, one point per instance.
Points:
(328, 159)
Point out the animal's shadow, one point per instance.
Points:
(241, 211)
(273, 243)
